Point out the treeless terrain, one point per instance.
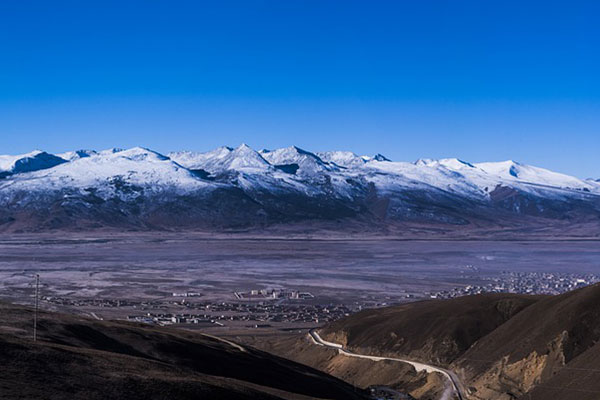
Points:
(548, 348)
(502, 346)
(432, 331)
(79, 358)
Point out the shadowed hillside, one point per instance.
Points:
(78, 358)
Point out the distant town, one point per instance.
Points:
(260, 312)
(294, 309)
(272, 294)
(523, 282)
(259, 315)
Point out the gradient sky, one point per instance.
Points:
(477, 80)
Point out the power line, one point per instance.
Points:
(35, 312)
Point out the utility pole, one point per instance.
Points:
(35, 313)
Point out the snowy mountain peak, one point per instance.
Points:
(34, 161)
(453, 164)
(345, 159)
(307, 163)
(244, 147)
(77, 154)
(221, 184)
(135, 154)
(109, 173)
(222, 159)
(245, 157)
(513, 171)
(290, 152)
(290, 166)
(506, 168)
(110, 151)
(380, 157)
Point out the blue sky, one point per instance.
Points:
(480, 80)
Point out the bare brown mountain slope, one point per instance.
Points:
(503, 347)
(434, 331)
(79, 358)
(534, 346)
(362, 373)
(579, 379)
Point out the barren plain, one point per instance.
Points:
(116, 276)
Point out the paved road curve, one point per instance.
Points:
(451, 376)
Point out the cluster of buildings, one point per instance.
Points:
(170, 319)
(184, 308)
(523, 282)
(257, 313)
(263, 312)
(261, 294)
(82, 302)
(187, 294)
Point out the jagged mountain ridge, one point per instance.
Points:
(242, 188)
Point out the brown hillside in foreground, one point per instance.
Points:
(503, 347)
(579, 379)
(79, 358)
(434, 330)
(541, 347)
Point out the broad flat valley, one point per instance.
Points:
(356, 273)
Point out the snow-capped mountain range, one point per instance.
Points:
(242, 188)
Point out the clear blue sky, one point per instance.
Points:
(478, 80)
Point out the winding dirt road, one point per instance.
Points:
(451, 376)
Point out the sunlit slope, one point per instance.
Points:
(240, 188)
(502, 346)
(435, 331)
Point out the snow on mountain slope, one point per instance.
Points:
(454, 175)
(308, 163)
(453, 164)
(252, 171)
(75, 155)
(377, 157)
(488, 176)
(34, 161)
(345, 159)
(7, 162)
(393, 174)
(337, 173)
(511, 171)
(222, 159)
(109, 171)
(240, 186)
(194, 160)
